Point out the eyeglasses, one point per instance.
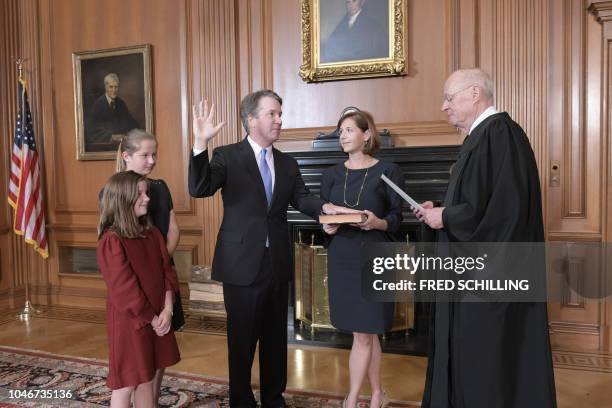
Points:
(449, 98)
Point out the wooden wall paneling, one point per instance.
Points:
(8, 85)
(577, 206)
(412, 98)
(20, 39)
(520, 67)
(469, 29)
(462, 22)
(214, 67)
(9, 48)
(602, 13)
(76, 26)
(514, 48)
(36, 266)
(575, 137)
(254, 33)
(71, 26)
(607, 310)
(574, 155)
(452, 18)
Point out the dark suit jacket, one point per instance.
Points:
(246, 219)
(104, 122)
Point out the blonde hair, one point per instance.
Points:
(117, 206)
(130, 143)
(364, 121)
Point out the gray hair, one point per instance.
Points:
(478, 77)
(111, 77)
(249, 106)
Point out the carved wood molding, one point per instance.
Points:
(453, 34)
(574, 132)
(72, 228)
(602, 10)
(87, 292)
(575, 327)
(607, 132)
(396, 129)
(574, 236)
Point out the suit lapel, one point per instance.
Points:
(278, 175)
(248, 158)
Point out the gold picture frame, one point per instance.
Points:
(112, 92)
(331, 51)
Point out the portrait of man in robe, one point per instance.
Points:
(113, 93)
(354, 30)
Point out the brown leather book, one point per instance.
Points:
(342, 218)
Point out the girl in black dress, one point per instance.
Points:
(138, 152)
(356, 183)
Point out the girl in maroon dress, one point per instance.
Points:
(138, 152)
(141, 283)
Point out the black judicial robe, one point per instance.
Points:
(491, 355)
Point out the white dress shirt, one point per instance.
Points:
(352, 18)
(488, 112)
(269, 157)
(256, 150)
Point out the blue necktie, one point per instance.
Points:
(266, 176)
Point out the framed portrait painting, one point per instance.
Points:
(112, 92)
(348, 39)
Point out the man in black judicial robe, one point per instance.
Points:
(488, 355)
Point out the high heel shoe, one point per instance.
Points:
(384, 401)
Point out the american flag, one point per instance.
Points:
(25, 193)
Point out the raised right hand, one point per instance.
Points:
(204, 128)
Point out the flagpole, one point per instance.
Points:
(28, 309)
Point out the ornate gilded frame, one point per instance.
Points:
(312, 70)
(133, 66)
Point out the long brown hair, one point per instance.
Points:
(364, 121)
(117, 206)
(130, 143)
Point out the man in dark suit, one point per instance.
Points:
(253, 254)
(109, 117)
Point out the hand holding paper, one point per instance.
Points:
(401, 192)
(425, 213)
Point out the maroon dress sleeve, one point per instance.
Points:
(123, 290)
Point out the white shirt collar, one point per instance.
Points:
(269, 157)
(353, 18)
(488, 112)
(257, 148)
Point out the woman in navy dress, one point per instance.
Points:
(356, 183)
